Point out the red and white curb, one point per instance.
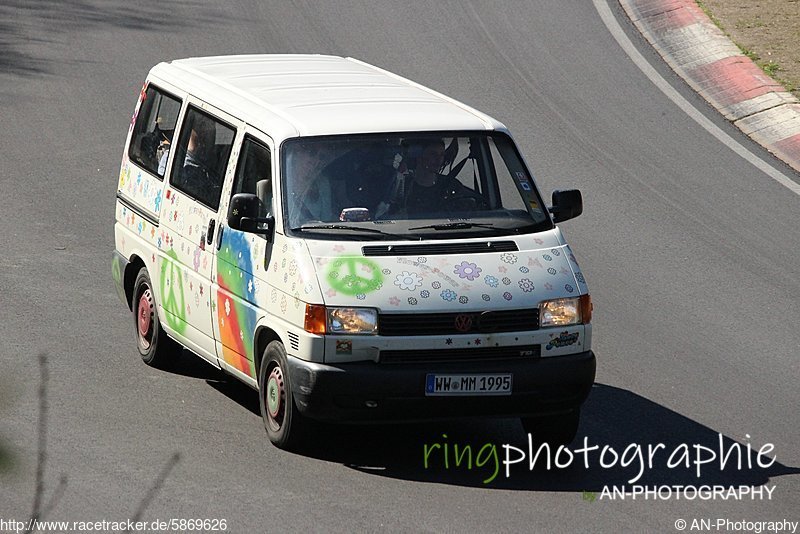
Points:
(713, 66)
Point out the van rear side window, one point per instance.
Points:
(153, 131)
(201, 157)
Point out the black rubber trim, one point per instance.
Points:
(128, 203)
(363, 392)
(471, 247)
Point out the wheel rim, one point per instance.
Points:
(144, 318)
(275, 397)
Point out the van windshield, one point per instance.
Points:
(414, 186)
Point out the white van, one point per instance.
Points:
(353, 245)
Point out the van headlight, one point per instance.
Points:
(323, 320)
(565, 311)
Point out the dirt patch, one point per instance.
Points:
(768, 31)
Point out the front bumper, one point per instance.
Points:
(396, 392)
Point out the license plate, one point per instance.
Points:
(442, 385)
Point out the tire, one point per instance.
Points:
(559, 429)
(283, 422)
(155, 347)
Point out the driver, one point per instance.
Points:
(429, 191)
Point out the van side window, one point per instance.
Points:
(152, 133)
(201, 157)
(254, 174)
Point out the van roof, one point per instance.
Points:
(304, 95)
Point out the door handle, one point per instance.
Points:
(219, 237)
(210, 231)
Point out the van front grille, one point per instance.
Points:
(460, 355)
(432, 324)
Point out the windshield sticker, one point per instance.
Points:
(563, 340)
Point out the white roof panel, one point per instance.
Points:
(290, 95)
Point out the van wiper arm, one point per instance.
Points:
(454, 226)
(310, 227)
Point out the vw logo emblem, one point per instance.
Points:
(463, 322)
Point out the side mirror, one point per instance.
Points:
(566, 205)
(243, 215)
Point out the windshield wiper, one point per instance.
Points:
(454, 226)
(309, 227)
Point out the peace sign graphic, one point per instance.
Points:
(354, 275)
(172, 292)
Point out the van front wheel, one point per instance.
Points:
(281, 418)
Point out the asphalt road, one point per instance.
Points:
(690, 252)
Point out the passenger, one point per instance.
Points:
(310, 194)
(162, 153)
(197, 174)
(199, 150)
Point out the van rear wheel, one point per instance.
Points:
(283, 422)
(155, 348)
(558, 429)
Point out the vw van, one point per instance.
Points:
(354, 246)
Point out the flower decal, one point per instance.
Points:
(196, 261)
(449, 295)
(507, 257)
(467, 270)
(463, 300)
(486, 297)
(524, 270)
(412, 301)
(394, 301)
(507, 295)
(491, 281)
(436, 285)
(424, 293)
(526, 285)
(408, 281)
